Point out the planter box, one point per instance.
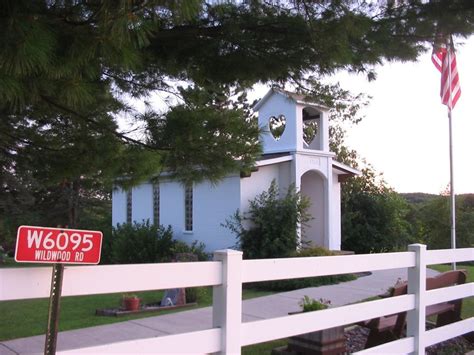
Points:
(148, 308)
(327, 341)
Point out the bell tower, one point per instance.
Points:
(292, 124)
(298, 129)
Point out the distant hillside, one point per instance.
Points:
(421, 197)
(418, 197)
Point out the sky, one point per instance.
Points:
(405, 132)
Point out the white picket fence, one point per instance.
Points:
(227, 273)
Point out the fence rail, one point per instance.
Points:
(227, 273)
(21, 283)
(291, 268)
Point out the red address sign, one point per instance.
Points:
(57, 245)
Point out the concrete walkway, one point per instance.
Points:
(277, 305)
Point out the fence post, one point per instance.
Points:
(227, 301)
(416, 318)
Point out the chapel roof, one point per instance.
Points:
(297, 98)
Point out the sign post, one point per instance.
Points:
(54, 308)
(57, 246)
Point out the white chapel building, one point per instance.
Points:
(197, 212)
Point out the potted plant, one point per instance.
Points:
(130, 302)
(309, 304)
(326, 341)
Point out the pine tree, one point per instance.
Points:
(69, 68)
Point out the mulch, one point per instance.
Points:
(356, 337)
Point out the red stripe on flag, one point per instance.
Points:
(444, 60)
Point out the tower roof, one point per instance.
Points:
(297, 98)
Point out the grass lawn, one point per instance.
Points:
(467, 303)
(263, 348)
(23, 318)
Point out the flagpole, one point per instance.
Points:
(451, 164)
(451, 184)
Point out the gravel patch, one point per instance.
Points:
(356, 337)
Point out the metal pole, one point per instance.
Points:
(54, 308)
(450, 47)
(451, 185)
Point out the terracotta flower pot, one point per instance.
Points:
(131, 303)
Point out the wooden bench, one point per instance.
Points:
(391, 327)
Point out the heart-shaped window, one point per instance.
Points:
(277, 126)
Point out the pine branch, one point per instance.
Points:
(143, 86)
(28, 142)
(101, 127)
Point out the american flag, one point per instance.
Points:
(444, 59)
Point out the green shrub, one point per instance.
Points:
(309, 304)
(313, 251)
(193, 294)
(270, 228)
(141, 243)
(196, 248)
(146, 243)
(295, 284)
(106, 252)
